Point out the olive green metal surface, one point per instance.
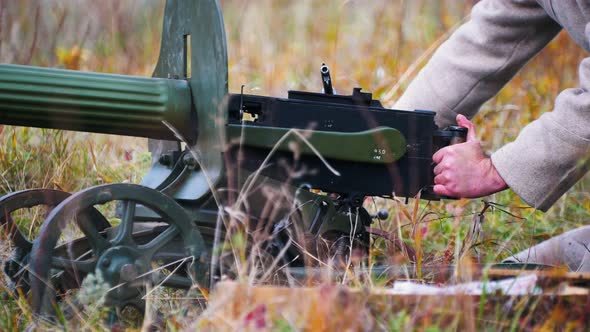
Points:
(376, 146)
(203, 22)
(94, 102)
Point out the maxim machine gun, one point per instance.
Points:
(291, 171)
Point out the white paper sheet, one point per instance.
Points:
(521, 285)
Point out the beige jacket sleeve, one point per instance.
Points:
(548, 156)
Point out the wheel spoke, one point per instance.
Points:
(124, 235)
(168, 256)
(74, 265)
(19, 240)
(96, 240)
(150, 248)
(176, 281)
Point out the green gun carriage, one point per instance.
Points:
(294, 172)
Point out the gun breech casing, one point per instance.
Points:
(95, 102)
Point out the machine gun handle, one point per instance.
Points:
(457, 135)
(449, 136)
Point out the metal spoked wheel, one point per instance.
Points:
(126, 265)
(16, 268)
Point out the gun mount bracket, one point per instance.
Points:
(194, 47)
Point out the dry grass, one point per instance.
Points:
(275, 46)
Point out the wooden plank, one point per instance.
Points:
(234, 306)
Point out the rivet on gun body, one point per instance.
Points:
(190, 161)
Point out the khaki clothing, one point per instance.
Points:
(571, 249)
(550, 154)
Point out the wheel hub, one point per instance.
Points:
(121, 267)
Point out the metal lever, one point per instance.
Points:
(326, 79)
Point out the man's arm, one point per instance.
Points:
(480, 58)
(552, 153)
(467, 70)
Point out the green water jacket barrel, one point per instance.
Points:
(94, 102)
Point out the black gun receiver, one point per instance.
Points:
(337, 143)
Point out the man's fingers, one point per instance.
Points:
(442, 190)
(440, 179)
(439, 168)
(464, 122)
(438, 156)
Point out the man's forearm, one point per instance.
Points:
(479, 58)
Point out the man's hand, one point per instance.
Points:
(463, 170)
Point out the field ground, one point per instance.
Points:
(275, 46)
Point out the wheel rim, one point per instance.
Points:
(124, 264)
(22, 200)
(16, 268)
